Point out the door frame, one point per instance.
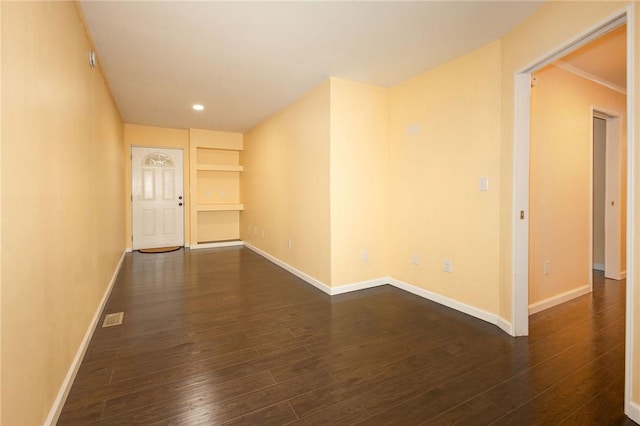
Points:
(185, 222)
(520, 227)
(613, 191)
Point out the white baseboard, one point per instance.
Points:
(600, 267)
(128, 250)
(362, 285)
(308, 278)
(633, 411)
(621, 276)
(453, 304)
(216, 245)
(58, 404)
(558, 299)
(450, 303)
(505, 325)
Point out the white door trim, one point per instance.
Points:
(630, 408)
(522, 131)
(520, 241)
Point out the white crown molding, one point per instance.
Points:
(591, 77)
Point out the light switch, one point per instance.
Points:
(483, 183)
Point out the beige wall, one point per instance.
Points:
(359, 179)
(560, 179)
(62, 201)
(285, 185)
(146, 136)
(436, 208)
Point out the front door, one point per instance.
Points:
(157, 197)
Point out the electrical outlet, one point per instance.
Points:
(262, 234)
(415, 259)
(413, 129)
(289, 244)
(448, 266)
(365, 256)
(547, 267)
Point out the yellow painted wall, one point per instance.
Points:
(437, 211)
(560, 179)
(359, 179)
(146, 136)
(285, 185)
(547, 29)
(62, 201)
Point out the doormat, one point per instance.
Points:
(159, 249)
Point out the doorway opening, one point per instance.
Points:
(561, 175)
(521, 175)
(609, 194)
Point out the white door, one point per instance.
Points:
(157, 197)
(614, 197)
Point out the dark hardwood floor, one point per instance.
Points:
(222, 336)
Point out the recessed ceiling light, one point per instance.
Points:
(198, 107)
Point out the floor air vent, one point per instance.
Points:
(113, 319)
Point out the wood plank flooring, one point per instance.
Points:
(222, 336)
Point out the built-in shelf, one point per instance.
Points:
(215, 166)
(219, 207)
(220, 167)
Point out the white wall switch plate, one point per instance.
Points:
(483, 183)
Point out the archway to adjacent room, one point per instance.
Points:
(521, 174)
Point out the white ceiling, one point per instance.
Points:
(246, 60)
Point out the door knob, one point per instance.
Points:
(179, 204)
(180, 197)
